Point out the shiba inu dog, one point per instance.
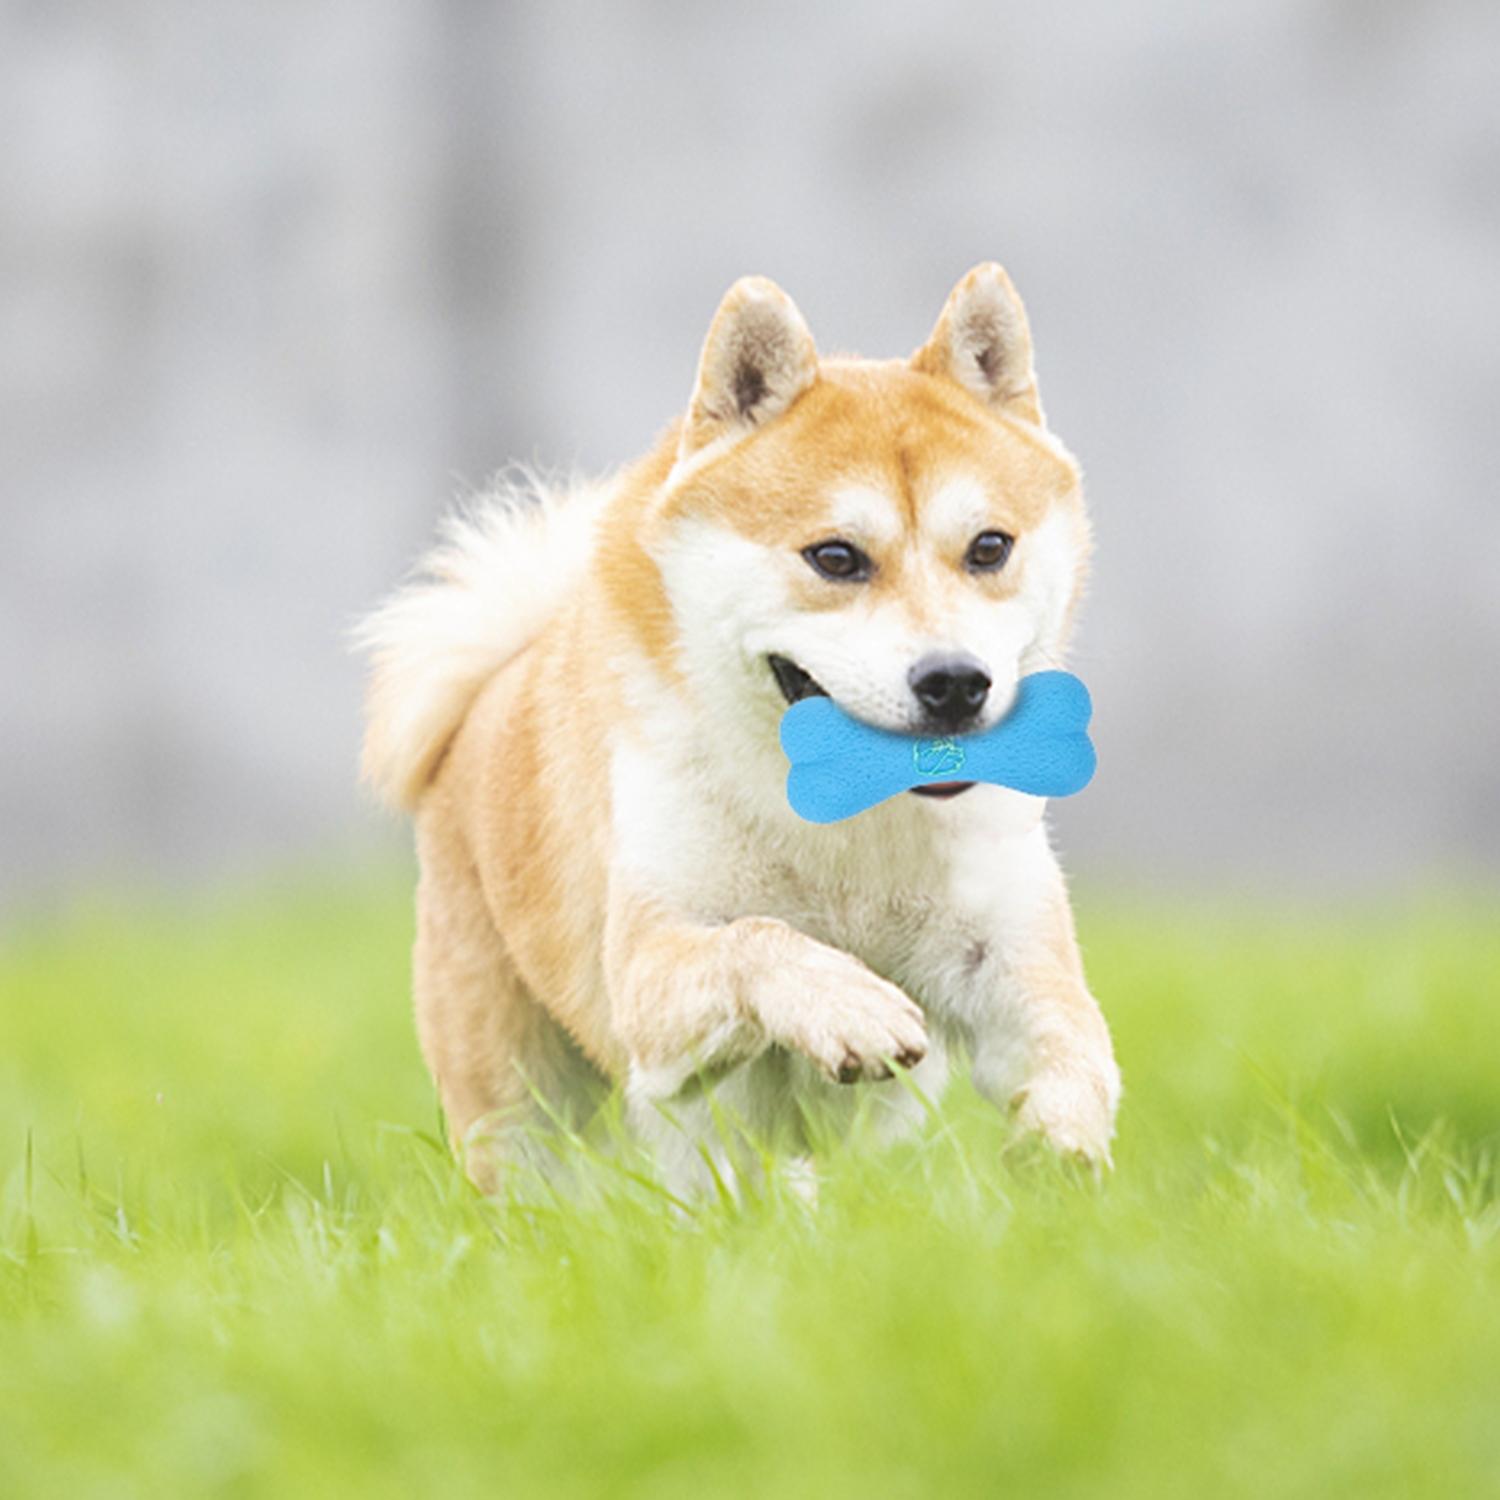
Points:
(579, 702)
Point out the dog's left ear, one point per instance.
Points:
(758, 358)
(983, 341)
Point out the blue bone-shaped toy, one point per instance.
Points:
(841, 766)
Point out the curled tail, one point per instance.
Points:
(479, 597)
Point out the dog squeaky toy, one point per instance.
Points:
(841, 765)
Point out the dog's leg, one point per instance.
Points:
(1041, 1045)
(499, 1061)
(691, 1000)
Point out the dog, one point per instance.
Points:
(578, 700)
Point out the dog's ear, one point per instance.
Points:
(982, 341)
(758, 358)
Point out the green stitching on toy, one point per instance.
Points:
(937, 757)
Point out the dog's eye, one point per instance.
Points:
(988, 551)
(838, 559)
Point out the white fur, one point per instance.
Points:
(956, 512)
(479, 597)
(1052, 557)
(866, 515)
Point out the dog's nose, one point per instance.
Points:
(952, 687)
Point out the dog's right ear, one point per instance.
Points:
(758, 358)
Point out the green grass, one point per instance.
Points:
(234, 1261)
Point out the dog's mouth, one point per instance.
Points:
(796, 684)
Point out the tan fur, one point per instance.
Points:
(612, 886)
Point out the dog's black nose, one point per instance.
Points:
(952, 688)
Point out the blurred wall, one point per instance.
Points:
(277, 281)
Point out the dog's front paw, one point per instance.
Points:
(856, 1027)
(1072, 1109)
(848, 1020)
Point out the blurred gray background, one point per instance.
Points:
(277, 281)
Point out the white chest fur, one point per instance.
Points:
(931, 894)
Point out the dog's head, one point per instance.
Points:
(904, 536)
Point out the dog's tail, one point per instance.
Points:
(479, 597)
